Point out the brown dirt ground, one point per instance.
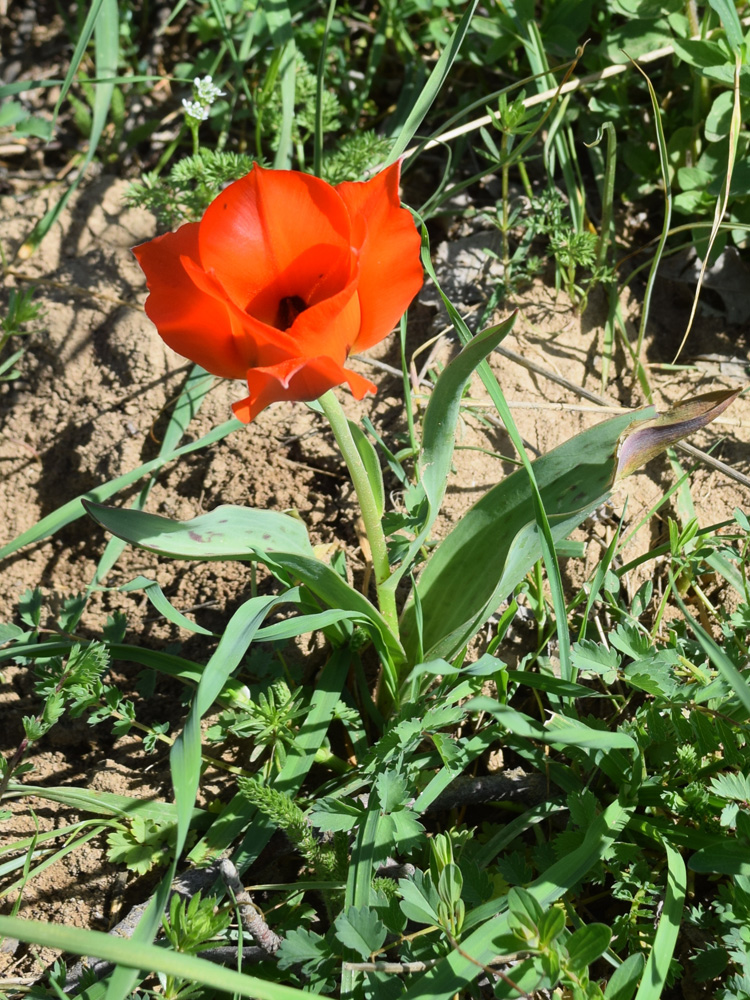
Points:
(94, 383)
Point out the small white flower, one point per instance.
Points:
(206, 90)
(196, 110)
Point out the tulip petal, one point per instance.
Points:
(274, 224)
(296, 379)
(253, 338)
(390, 272)
(317, 274)
(330, 327)
(193, 323)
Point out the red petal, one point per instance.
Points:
(318, 273)
(190, 321)
(390, 272)
(330, 327)
(300, 379)
(277, 228)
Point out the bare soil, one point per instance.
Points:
(90, 405)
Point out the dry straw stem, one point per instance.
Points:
(402, 968)
(548, 95)
(721, 204)
(517, 404)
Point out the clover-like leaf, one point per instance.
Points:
(360, 929)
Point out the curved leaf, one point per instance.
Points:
(488, 553)
(277, 540)
(653, 437)
(224, 533)
(372, 466)
(439, 429)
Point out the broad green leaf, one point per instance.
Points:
(450, 884)
(302, 947)
(630, 641)
(521, 903)
(730, 20)
(725, 857)
(393, 790)
(624, 979)
(419, 899)
(551, 925)
(11, 113)
(591, 656)
(226, 532)
(400, 827)
(586, 945)
(654, 676)
(336, 814)
(8, 632)
(497, 541)
(277, 540)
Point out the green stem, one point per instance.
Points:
(368, 507)
(193, 125)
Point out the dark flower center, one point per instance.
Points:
(289, 309)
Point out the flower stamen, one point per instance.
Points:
(289, 309)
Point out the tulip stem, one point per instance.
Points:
(367, 504)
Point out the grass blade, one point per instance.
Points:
(319, 85)
(657, 967)
(280, 24)
(716, 654)
(431, 89)
(664, 165)
(735, 129)
(104, 19)
(74, 509)
(130, 954)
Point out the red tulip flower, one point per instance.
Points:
(284, 277)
